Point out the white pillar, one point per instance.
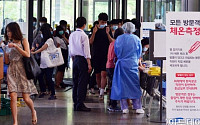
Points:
(141, 13)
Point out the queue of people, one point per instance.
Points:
(114, 51)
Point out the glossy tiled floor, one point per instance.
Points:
(60, 112)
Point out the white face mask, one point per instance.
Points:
(67, 31)
(115, 27)
(102, 26)
(144, 49)
(41, 35)
(41, 24)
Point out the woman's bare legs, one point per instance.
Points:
(30, 104)
(13, 105)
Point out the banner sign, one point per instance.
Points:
(183, 68)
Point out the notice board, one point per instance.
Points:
(183, 72)
(157, 48)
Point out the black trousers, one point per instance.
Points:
(48, 73)
(80, 79)
(110, 72)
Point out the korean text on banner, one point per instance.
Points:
(183, 72)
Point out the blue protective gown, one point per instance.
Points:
(126, 83)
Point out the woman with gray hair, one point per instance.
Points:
(126, 83)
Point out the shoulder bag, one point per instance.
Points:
(52, 57)
(31, 67)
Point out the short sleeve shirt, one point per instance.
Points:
(61, 42)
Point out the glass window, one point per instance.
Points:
(53, 14)
(100, 6)
(131, 9)
(155, 10)
(35, 8)
(88, 10)
(113, 4)
(46, 12)
(149, 10)
(92, 8)
(13, 11)
(67, 12)
(178, 5)
(61, 10)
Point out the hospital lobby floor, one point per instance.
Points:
(60, 112)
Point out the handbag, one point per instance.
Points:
(52, 58)
(31, 67)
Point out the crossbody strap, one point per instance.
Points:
(22, 45)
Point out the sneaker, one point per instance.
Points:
(139, 111)
(102, 91)
(116, 109)
(41, 95)
(52, 97)
(110, 109)
(82, 108)
(125, 111)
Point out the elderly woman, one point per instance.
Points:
(126, 80)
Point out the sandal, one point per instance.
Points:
(34, 122)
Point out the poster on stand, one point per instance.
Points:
(183, 68)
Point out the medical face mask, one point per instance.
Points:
(61, 32)
(115, 27)
(144, 49)
(51, 32)
(34, 23)
(67, 31)
(102, 26)
(41, 24)
(42, 36)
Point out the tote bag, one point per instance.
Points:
(52, 58)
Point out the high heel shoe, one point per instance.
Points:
(34, 122)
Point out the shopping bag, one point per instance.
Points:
(52, 58)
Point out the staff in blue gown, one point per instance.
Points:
(126, 83)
